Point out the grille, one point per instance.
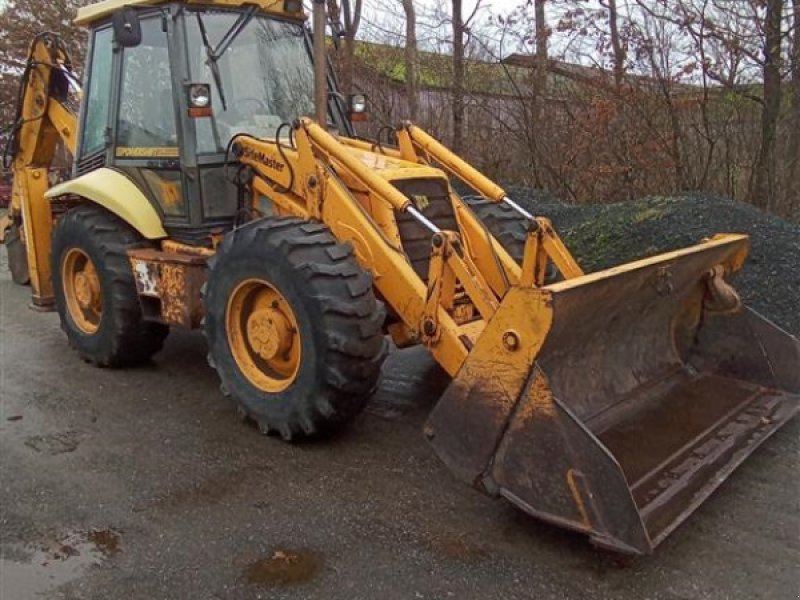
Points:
(198, 236)
(431, 197)
(91, 162)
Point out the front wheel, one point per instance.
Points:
(294, 329)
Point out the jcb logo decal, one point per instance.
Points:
(421, 202)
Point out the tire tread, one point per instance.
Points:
(131, 339)
(350, 318)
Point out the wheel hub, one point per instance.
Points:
(269, 333)
(82, 292)
(263, 335)
(87, 289)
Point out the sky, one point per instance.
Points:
(495, 6)
(499, 6)
(383, 21)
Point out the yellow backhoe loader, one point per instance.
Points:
(204, 195)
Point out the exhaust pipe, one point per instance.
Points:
(320, 65)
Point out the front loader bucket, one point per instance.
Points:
(615, 403)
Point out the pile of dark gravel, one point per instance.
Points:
(601, 236)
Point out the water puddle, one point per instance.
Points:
(284, 567)
(26, 574)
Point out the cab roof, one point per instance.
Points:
(100, 10)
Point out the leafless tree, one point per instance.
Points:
(792, 198)
(459, 30)
(616, 41)
(411, 58)
(762, 192)
(349, 16)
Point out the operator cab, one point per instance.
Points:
(169, 86)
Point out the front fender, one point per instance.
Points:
(115, 192)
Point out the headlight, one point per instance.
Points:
(199, 95)
(358, 104)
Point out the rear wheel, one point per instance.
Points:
(95, 290)
(294, 329)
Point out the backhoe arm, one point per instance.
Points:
(42, 120)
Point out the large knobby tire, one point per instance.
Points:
(509, 228)
(506, 225)
(293, 326)
(90, 245)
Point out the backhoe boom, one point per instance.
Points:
(43, 121)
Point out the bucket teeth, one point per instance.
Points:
(264, 427)
(241, 414)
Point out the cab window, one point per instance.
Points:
(98, 100)
(146, 126)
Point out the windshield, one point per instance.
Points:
(266, 76)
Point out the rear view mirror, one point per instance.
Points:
(127, 28)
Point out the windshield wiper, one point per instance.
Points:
(212, 61)
(214, 54)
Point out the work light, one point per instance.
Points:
(199, 95)
(357, 104)
(199, 100)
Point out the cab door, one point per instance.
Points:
(146, 132)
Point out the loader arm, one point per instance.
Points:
(543, 244)
(43, 120)
(310, 179)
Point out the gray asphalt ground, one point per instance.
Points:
(141, 484)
